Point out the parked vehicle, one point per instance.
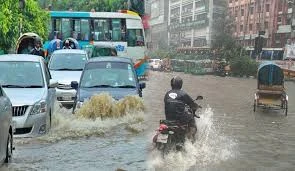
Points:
(115, 75)
(6, 128)
(171, 135)
(155, 64)
(27, 82)
(271, 92)
(66, 66)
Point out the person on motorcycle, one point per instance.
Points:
(37, 49)
(67, 45)
(175, 101)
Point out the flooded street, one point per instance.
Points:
(230, 135)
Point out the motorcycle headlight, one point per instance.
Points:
(79, 105)
(40, 107)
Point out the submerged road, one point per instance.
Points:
(231, 136)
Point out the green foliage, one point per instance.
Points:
(33, 19)
(243, 66)
(85, 5)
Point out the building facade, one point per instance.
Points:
(190, 22)
(270, 16)
(159, 23)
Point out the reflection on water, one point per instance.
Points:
(211, 147)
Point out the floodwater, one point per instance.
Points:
(230, 135)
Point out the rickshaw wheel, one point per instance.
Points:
(254, 106)
(286, 107)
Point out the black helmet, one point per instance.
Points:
(37, 40)
(176, 83)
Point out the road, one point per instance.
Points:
(231, 136)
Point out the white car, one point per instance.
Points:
(28, 84)
(6, 128)
(66, 66)
(155, 64)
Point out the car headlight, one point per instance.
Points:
(39, 107)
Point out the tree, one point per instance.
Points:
(223, 28)
(86, 5)
(33, 19)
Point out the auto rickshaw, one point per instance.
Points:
(271, 91)
(25, 43)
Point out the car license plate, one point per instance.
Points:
(162, 138)
(67, 98)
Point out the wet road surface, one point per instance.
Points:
(231, 136)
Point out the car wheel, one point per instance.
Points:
(9, 148)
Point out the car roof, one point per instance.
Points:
(103, 45)
(71, 51)
(21, 57)
(110, 59)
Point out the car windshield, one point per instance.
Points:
(21, 74)
(67, 62)
(108, 74)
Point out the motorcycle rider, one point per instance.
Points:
(175, 101)
(67, 45)
(37, 49)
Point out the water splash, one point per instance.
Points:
(104, 106)
(65, 125)
(210, 148)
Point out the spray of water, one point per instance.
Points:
(210, 148)
(98, 116)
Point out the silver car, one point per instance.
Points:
(65, 66)
(6, 128)
(27, 82)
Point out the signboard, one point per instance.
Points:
(188, 25)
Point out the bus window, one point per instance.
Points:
(116, 30)
(101, 30)
(76, 29)
(85, 29)
(50, 30)
(66, 28)
(135, 37)
(123, 30)
(57, 28)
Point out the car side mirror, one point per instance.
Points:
(74, 85)
(142, 85)
(199, 98)
(53, 83)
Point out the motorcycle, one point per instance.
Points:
(171, 135)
